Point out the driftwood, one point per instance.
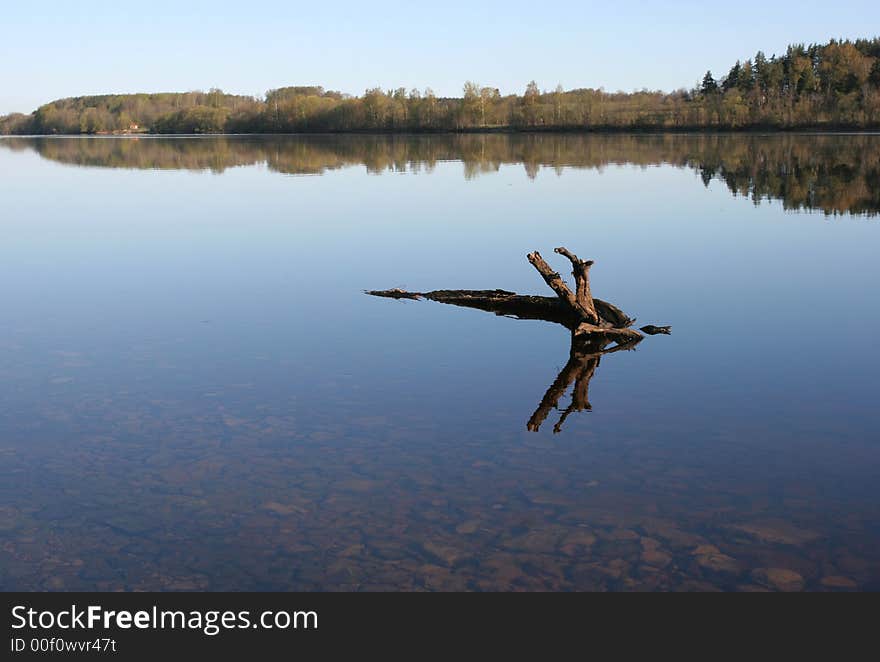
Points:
(597, 327)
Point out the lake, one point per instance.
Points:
(197, 394)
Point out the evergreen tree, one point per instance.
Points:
(732, 80)
(709, 85)
(874, 78)
(746, 78)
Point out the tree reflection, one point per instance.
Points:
(835, 174)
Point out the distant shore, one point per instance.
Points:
(817, 129)
(817, 87)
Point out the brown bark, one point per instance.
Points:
(522, 306)
(613, 315)
(554, 280)
(652, 330)
(500, 302)
(581, 273)
(585, 329)
(578, 311)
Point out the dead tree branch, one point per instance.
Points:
(554, 280)
(581, 273)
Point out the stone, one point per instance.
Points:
(352, 550)
(718, 562)
(616, 568)
(650, 543)
(837, 581)
(449, 555)
(505, 570)
(655, 557)
(674, 537)
(580, 537)
(359, 485)
(466, 528)
(536, 542)
(776, 532)
(780, 579)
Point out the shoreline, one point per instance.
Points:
(764, 130)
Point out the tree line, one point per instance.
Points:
(832, 85)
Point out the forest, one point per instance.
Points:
(834, 85)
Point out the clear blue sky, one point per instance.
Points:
(52, 49)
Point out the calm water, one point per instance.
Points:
(196, 393)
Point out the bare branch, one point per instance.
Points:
(581, 273)
(395, 293)
(554, 280)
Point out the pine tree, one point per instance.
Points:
(732, 80)
(709, 86)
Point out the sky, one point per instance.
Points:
(55, 49)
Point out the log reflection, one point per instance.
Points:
(584, 358)
(597, 327)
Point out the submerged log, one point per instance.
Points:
(652, 330)
(594, 325)
(578, 310)
(511, 304)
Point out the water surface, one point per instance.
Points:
(197, 394)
